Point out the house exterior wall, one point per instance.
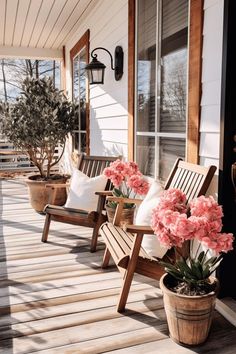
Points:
(211, 84)
(108, 27)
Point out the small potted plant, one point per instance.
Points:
(128, 182)
(189, 289)
(37, 124)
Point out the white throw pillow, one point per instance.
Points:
(82, 191)
(144, 214)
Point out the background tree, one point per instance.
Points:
(14, 71)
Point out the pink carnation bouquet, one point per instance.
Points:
(174, 223)
(127, 181)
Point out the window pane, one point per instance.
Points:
(75, 141)
(146, 67)
(146, 154)
(173, 66)
(83, 142)
(82, 87)
(173, 92)
(169, 150)
(80, 96)
(76, 78)
(161, 105)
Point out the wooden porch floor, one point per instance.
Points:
(54, 298)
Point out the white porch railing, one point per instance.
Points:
(12, 160)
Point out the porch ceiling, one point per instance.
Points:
(29, 25)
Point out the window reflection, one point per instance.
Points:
(161, 84)
(79, 95)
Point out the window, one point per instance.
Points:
(161, 84)
(79, 57)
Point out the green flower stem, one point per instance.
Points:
(197, 251)
(204, 258)
(179, 253)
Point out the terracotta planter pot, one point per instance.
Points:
(39, 194)
(189, 317)
(127, 216)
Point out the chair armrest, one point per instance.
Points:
(125, 200)
(139, 229)
(104, 193)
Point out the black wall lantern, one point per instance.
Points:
(95, 69)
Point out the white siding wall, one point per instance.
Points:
(108, 24)
(211, 84)
(108, 103)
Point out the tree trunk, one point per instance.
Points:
(4, 80)
(29, 67)
(37, 69)
(54, 72)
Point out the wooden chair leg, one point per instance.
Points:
(125, 290)
(46, 228)
(106, 258)
(94, 240)
(100, 221)
(129, 274)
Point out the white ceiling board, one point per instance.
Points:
(34, 10)
(2, 22)
(41, 22)
(51, 21)
(12, 7)
(22, 13)
(62, 21)
(70, 30)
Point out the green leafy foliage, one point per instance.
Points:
(193, 271)
(118, 193)
(39, 121)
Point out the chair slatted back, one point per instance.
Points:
(191, 179)
(93, 166)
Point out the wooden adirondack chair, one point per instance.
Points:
(92, 166)
(125, 245)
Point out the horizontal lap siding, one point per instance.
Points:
(108, 27)
(211, 85)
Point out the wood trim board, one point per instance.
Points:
(194, 79)
(131, 78)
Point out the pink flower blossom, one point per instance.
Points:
(127, 177)
(168, 240)
(224, 242)
(219, 242)
(119, 167)
(132, 169)
(138, 184)
(174, 199)
(201, 227)
(108, 172)
(206, 206)
(172, 225)
(183, 226)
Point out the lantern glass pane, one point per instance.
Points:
(97, 75)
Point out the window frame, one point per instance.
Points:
(78, 47)
(193, 79)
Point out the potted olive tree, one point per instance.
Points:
(37, 124)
